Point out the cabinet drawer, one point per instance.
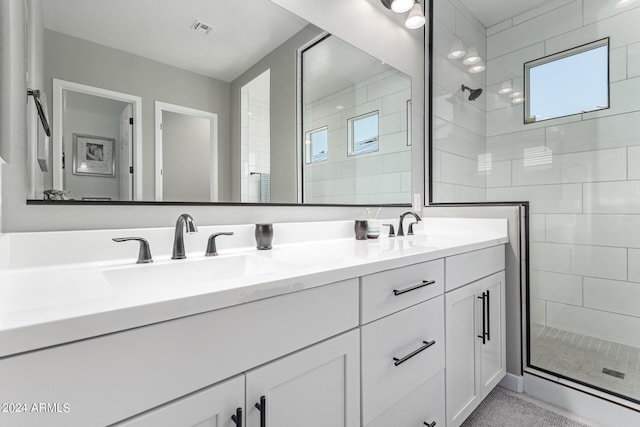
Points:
(471, 266)
(424, 405)
(145, 367)
(385, 380)
(379, 299)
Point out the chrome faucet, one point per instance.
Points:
(400, 228)
(185, 221)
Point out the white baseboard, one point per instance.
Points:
(513, 383)
(565, 395)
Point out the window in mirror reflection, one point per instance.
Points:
(363, 134)
(317, 142)
(571, 82)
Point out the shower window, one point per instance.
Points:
(363, 134)
(317, 143)
(570, 82)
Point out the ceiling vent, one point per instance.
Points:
(201, 27)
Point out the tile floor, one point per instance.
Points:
(583, 358)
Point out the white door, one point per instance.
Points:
(212, 407)
(125, 153)
(462, 312)
(316, 387)
(493, 352)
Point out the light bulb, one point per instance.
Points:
(457, 50)
(505, 88)
(401, 6)
(624, 3)
(416, 18)
(477, 68)
(472, 57)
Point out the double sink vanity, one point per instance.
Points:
(326, 331)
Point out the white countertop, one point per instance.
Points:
(45, 306)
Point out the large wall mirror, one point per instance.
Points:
(212, 101)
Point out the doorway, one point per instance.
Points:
(101, 115)
(186, 154)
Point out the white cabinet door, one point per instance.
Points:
(316, 387)
(462, 313)
(211, 407)
(493, 351)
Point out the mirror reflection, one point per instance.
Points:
(199, 101)
(355, 125)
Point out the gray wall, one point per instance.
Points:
(186, 176)
(80, 61)
(378, 34)
(283, 65)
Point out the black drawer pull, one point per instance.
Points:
(433, 424)
(413, 288)
(237, 417)
(484, 319)
(413, 353)
(488, 317)
(262, 407)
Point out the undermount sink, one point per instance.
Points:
(192, 272)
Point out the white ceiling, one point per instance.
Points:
(244, 31)
(333, 65)
(492, 12)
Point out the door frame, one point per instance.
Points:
(59, 106)
(213, 134)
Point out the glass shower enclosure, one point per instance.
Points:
(579, 170)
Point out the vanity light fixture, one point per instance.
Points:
(415, 18)
(457, 50)
(624, 3)
(398, 6)
(505, 88)
(477, 68)
(472, 57)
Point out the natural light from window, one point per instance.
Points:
(363, 134)
(572, 82)
(317, 143)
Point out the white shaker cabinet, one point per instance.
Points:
(475, 344)
(211, 407)
(316, 387)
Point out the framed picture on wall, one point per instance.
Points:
(93, 155)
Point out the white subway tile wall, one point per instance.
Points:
(581, 173)
(383, 176)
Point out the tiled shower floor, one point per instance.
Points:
(583, 358)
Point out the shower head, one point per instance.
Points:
(473, 93)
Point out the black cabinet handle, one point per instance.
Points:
(413, 288)
(433, 424)
(484, 319)
(398, 361)
(488, 317)
(262, 407)
(237, 417)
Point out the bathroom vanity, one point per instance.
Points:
(324, 333)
